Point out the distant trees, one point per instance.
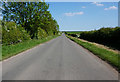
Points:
(33, 17)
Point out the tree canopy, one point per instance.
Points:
(33, 16)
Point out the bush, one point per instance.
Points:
(24, 33)
(0, 31)
(41, 33)
(74, 35)
(11, 33)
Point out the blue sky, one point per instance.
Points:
(81, 16)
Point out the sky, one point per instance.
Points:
(84, 16)
(81, 0)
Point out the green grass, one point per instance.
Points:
(74, 32)
(11, 50)
(106, 55)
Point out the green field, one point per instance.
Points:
(73, 32)
(109, 56)
(11, 50)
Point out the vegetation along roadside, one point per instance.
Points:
(11, 50)
(25, 25)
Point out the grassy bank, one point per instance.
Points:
(11, 50)
(107, 55)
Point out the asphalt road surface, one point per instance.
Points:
(58, 59)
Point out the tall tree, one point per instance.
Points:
(31, 15)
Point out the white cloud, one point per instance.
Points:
(5, 1)
(111, 8)
(83, 7)
(1, 8)
(98, 4)
(73, 14)
(60, 19)
(0, 17)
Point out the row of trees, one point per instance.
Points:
(106, 36)
(32, 17)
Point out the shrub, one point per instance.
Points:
(74, 35)
(0, 31)
(12, 34)
(24, 33)
(41, 33)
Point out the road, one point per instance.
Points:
(58, 59)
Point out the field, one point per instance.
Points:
(73, 32)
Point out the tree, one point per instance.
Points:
(31, 15)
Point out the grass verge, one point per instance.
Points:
(11, 50)
(106, 55)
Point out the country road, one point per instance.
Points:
(58, 59)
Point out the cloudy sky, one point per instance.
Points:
(80, 16)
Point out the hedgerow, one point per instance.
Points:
(107, 36)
